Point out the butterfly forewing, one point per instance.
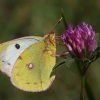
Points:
(11, 50)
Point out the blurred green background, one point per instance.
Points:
(33, 17)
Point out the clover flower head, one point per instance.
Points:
(79, 41)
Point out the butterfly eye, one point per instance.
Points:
(17, 46)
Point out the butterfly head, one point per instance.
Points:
(50, 38)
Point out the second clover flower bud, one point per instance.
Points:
(80, 41)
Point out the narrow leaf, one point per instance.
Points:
(98, 39)
(64, 19)
(88, 90)
(58, 64)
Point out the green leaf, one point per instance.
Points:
(69, 61)
(95, 54)
(59, 63)
(64, 19)
(98, 39)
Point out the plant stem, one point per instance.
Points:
(82, 88)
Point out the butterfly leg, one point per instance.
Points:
(52, 52)
(54, 55)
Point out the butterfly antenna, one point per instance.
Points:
(47, 35)
(56, 24)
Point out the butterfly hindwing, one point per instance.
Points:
(11, 50)
(32, 69)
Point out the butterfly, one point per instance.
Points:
(29, 61)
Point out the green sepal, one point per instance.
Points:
(69, 61)
(95, 54)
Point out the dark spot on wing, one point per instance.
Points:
(8, 63)
(17, 74)
(20, 57)
(34, 83)
(28, 83)
(17, 46)
(45, 50)
(3, 61)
